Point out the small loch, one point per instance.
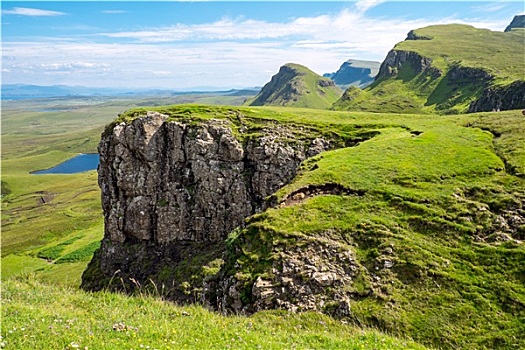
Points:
(78, 164)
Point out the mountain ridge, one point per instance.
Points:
(518, 22)
(297, 86)
(447, 69)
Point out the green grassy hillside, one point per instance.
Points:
(444, 68)
(47, 217)
(499, 53)
(427, 228)
(297, 86)
(431, 208)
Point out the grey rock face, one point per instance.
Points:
(167, 181)
(396, 59)
(500, 98)
(413, 36)
(318, 276)
(167, 184)
(517, 22)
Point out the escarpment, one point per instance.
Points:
(172, 191)
(446, 69)
(500, 98)
(396, 60)
(244, 209)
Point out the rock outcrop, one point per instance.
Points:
(500, 98)
(397, 59)
(314, 275)
(171, 188)
(517, 22)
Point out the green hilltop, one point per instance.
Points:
(447, 69)
(297, 86)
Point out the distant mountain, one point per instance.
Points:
(355, 73)
(517, 23)
(23, 91)
(447, 69)
(297, 86)
(243, 92)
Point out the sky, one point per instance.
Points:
(208, 44)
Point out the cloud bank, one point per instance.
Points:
(226, 53)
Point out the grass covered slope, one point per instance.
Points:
(297, 86)
(447, 69)
(430, 209)
(40, 316)
(434, 222)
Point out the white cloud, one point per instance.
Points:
(25, 11)
(162, 73)
(346, 26)
(364, 5)
(490, 7)
(227, 53)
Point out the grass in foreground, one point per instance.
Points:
(39, 316)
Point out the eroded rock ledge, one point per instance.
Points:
(172, 191)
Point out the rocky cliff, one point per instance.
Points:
(172, 191)
(517, 22)
(500, 98)
(396, 61)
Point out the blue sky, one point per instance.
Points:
(181, 45)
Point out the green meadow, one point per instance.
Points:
(38, 315)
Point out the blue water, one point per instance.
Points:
(78, 164)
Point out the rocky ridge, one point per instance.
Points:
(517, 22)
(425, 77)
(396, 60)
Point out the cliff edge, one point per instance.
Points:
(446, 69)
(173, 190)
